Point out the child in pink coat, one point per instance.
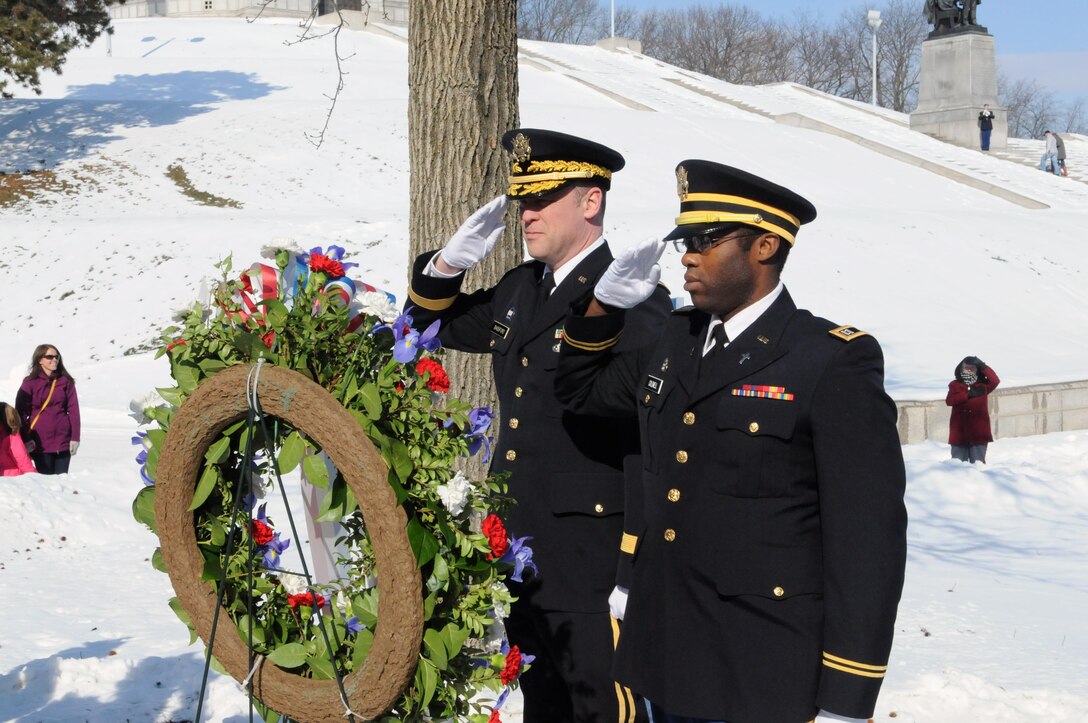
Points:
(13, 457)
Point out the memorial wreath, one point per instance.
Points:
(255, 367)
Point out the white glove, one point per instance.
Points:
(31, 445)
(617, 602)
(632, 276)
(477, 235)
(72, 447)
(824, 717)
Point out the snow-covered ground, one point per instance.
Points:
(992, 625)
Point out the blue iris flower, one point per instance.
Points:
(479, 420)
(142, 439)
(520, 556)
(405, 338)
(352, 625)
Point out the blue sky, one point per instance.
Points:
(1034, 38)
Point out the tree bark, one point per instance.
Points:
(463, 95)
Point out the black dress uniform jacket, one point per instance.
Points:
(772, 538)
(566, 470)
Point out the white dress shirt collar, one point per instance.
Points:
(742, 319)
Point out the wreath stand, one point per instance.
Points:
(226, 398)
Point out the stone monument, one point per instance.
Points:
(958, 75)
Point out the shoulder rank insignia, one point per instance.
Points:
(847, 333)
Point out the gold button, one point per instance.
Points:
(492, 344)
(513, 423)
(525, 361)
(674, 495)
(753, 427)
(689, 417)
(646, 399)
(511, 455)
(518, 391)
(681, 456)
(778, 591)
(599, 508)
(670, 535)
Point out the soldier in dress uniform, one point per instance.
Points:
(566, 470)
(769, 542)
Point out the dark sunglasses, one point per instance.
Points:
(50, 356)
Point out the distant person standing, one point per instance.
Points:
(985, 126)
(13, 457)
(1061, 153)
(1050, 155)
(49, 409)
(968, 395)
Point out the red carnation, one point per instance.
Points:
(496, 536)
(399, 386)
(321, 262)
(269, 339)
(306, 598)
(494, 717)
(513, 666)
(439, 381)
(262, 533)
(176, 342)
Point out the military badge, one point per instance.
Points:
(762, 391)
(521, 148)
(681, 182)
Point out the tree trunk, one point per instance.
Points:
(463, 95)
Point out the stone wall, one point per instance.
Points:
(1014, 412)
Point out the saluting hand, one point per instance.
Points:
(474, 240)
(632, 276)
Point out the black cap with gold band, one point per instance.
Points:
(547, 161)
(714, 196)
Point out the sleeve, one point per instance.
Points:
(594, 377)
(633, 520)
(73, 410)
(957, 393)
(465, 318)
(989, 379)
(18, 453)
(23, 405)
(861, 481)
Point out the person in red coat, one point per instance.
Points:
(13, 457)
(968, 395)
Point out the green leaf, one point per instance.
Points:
(211, 366)
(156, 560)
(218, 452)
(252, 347)
(291, 452)
(333, 506)
(434, 648)
(313, 466)
(363, 640)
(243, 630)
(183, 616)
(204, 487)
(218, 532)
(454, 637)
(427, 680)
(143, 507)
(424, 545)
(289, 655)
(320, 666)
(366, 608)
(372, 401)
(170, 395)
(187, 375)
(275, 312)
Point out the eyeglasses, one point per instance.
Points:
(50, 357)
(700, 243)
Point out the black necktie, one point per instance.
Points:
(720, 338)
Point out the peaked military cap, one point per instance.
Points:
(546, 161)
(714, 196)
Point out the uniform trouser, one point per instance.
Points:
(51, 462)
(571, 679)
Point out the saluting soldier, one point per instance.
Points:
(770, 543)
(565, 469)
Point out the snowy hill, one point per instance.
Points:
(189, 143)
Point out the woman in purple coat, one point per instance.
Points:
(49, 409)
(968, 395)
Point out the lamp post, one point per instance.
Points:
(613, 20)
(874, 23)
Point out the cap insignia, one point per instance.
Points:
(681, 182)
(521, 148)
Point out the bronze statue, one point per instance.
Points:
(950, 16)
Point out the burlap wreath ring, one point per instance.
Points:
(221, 401)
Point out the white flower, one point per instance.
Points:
(455, 493)
(493, 638)
(140, 406)
(377, 303)
(278, 245)
(500, 610)
(342, 603)
(293, 584)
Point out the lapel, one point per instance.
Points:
(691, 348)
(755, 348)
(578, 282)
